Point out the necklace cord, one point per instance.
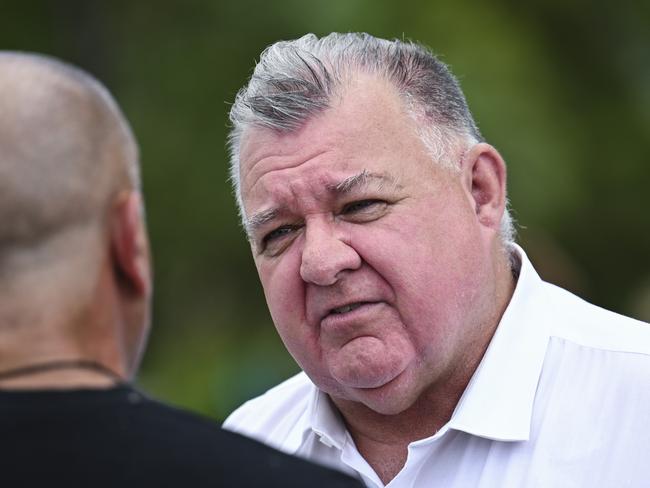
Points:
(61, 364)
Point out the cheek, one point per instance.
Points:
(283, 289)
(430, 263)
(285, 296)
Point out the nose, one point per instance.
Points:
(325, 255)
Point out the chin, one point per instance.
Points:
(385, 401)
(391, 398)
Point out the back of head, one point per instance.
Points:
(64, 150)
(296, 80)
(74, 267)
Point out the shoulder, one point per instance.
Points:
(189, 446)
(279, 416)
(152, 417)
(594, 387)
(598, 353)
(578, 321)
(227, 457)
(120, 437)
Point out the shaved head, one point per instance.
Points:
(75, 277)
(65, 150)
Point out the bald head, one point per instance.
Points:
(75, 280)
(65, 150)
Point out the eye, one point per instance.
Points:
(363, 206)
(278, 233)
(274, 242)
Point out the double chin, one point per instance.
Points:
(368, 362)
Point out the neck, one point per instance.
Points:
(383, 440)
(44, 357)
(59, 327)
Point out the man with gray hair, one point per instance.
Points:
(75, 289)
(433, 354)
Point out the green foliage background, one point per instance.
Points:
(561, 89)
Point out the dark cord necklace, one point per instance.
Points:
(61, 364)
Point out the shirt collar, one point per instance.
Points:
(498, 401)
(325, 421)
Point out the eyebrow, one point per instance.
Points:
(344, 187)
(260, 219)
(360, 180)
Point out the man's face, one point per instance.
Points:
(371, 256)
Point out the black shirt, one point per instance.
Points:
(120, 438)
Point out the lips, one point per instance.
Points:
(341, 315)
(348, 321)
(342, 302)
(347, 308)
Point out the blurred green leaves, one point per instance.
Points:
(561, 89)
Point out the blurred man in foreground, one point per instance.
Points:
(75, 289)
(433, 354)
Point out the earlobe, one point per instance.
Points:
(129, 244)
(485, 176)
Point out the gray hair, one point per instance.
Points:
(296, 80)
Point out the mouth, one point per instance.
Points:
(347, 308)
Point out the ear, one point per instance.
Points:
(129, 244)
(484, 177)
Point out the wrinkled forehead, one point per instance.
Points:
(286, 168)
(369, 119)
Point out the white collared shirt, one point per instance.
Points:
(560, 399)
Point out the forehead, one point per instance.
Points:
(368, 127)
